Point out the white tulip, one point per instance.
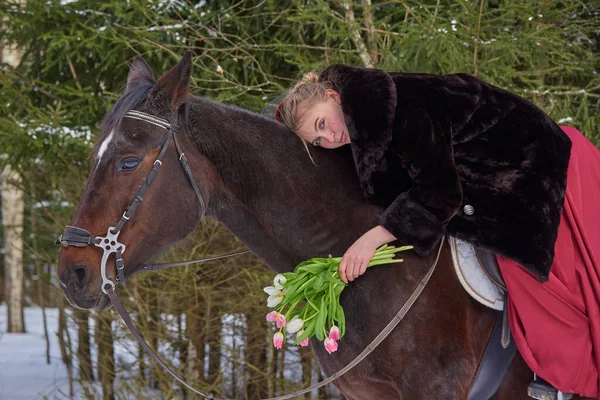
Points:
(279, 281)
(295, 325)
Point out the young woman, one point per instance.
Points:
(445, 154)
(451, 154)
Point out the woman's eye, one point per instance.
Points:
(128, 164)
(322, 124)
(317, 141)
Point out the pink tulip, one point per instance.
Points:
(330, 345)
(272, 316)
(276, 317)
(334, 333)
(304, 342)
(278, 340)
(280, 321)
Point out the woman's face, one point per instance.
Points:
(322, 124)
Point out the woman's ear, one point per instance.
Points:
(334, 95)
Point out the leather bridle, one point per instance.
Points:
(78, 237)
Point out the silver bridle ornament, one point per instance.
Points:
(110, 244)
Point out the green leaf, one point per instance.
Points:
(320, 326)
(341, 318)
(319, 281)
(312, 268)
(331, 303)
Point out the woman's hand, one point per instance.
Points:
(356, 259)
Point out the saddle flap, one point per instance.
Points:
(473, 277)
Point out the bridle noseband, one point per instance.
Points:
(79, 237)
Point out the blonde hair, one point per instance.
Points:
(307, 91)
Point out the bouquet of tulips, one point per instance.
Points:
(307, 301)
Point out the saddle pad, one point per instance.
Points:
(472, 276)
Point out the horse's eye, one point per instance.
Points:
(128, 164)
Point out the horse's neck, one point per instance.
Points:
(272, 197)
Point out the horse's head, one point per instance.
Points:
(122, 161)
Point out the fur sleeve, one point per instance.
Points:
(419, 216)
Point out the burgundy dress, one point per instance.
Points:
(556, 324)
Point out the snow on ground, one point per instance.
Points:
(24, 373)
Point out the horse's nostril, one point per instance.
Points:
(81, 277)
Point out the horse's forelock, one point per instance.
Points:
(133, 97)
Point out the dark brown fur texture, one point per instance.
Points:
(427, 145)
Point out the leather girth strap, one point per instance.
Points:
(495, 363)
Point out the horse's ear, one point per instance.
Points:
(140, 71)
(172, 88)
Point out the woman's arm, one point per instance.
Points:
(419, 216)
(357, 257)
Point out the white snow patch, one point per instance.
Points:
(563, 120)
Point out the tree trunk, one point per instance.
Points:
(271, 358)
(306, 361)
(280, 379)
(371, 37)
(141, 353)
(355, 34)
(214, 340)
(39, 280)
(183, 348)
(106, 360)
(83, 345)
(154, 329)
(320, 377)
(195, 352)
(12, 214)
(64, 344)
(256, 357)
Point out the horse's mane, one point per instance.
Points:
(136, 95)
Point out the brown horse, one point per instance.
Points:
(259, 182)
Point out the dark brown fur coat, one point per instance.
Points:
(429, 146)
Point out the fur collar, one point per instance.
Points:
(368, 99)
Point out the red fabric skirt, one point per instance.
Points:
(556, 324)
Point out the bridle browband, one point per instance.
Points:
(78, 237)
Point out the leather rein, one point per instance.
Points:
(78, 237)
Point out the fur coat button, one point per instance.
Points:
(469, 209)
